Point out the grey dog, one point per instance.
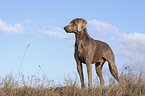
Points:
(89, 51)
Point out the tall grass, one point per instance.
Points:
(132, 85)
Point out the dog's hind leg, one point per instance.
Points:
(99, 66)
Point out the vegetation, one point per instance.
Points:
(132, 85)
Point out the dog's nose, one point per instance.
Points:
(65, 28)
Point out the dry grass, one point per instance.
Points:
(132, 85)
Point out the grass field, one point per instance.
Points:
(132, 85)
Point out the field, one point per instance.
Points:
(132, 85)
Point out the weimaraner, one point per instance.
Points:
(89, 51)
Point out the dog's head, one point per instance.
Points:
(76, 25)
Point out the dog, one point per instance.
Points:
(89, 51)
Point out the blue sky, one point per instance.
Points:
(40, 24)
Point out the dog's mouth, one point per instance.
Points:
(69, 31)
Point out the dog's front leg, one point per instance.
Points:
(80, 70)
(89, 70)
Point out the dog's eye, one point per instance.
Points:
(73, 24)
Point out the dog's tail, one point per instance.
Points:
(114, 72)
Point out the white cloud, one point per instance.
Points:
(135, 63)
(57, 33)
(132, 47)
(10, 29)
(102, 28)
(132, 43)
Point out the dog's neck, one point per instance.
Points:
(82, 35)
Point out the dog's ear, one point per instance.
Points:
(81, 24)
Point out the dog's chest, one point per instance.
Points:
(80, 52)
